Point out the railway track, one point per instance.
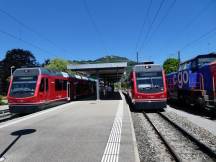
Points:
(182, 145)
(6, 115)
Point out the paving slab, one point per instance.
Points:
(77, 131)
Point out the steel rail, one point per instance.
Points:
(172, 151)
(8, 117)
(203, 147)
(4, 111)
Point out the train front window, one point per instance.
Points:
(149, 82)
(23, 86)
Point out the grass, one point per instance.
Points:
(3, 100)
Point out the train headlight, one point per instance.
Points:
(139, 97)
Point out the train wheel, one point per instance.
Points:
(200, 103)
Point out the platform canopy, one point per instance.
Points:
(111, 72)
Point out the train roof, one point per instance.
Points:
(200, 56)
(147, 67)
(42, 70)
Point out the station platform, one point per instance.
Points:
(80, 131)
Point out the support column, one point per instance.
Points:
(97, 86)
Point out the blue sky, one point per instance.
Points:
(108, 27)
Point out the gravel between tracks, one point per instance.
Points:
(187, 150)
(150, 147)
(200, 133)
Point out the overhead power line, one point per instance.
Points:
(199, 38)
(162, 20)
(31, 29)
(24, 41)
(198, 14)
(143, 25)
(102, 42)
(152, 23)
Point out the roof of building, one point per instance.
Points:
(106, 71)
(98, 66)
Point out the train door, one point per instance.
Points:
(46, 92)
(68, 91)
(43, 89)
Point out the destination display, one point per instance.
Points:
(148, 74)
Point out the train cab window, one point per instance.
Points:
(205, 60)
(181, 67)
(47, 84)
(23, 86)
(193, 65)
(65, 85)
(42, 85)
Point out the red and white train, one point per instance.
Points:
(34, 89)
(147, 87)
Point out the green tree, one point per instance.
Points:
(170, 65)
(17, 58)
(45, 63)
(58, 64)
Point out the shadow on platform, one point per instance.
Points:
(19, 134)
(193, 110)
(111, 96)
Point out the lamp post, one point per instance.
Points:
(12, 67)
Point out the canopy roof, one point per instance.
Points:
(106, 71)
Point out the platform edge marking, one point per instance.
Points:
(114, 140)
(136, 152)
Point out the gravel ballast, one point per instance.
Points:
(183, 146)
(200, 133)
(150, 146)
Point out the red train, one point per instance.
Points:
(147, 87)
(33, 89)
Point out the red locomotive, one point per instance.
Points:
(33, 89)
(147, 87)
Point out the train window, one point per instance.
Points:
(205, 60)
(42, 85)
(193, 65)
(47, 84)
(58, 85)
(65, 85)
(23, 86)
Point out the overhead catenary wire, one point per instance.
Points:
(198, 39)
(202, 11)
(101, 40)
(162, 20)
(152, 23)
(24, 41)
(198, 14)
(143, 25)
(31, 30)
